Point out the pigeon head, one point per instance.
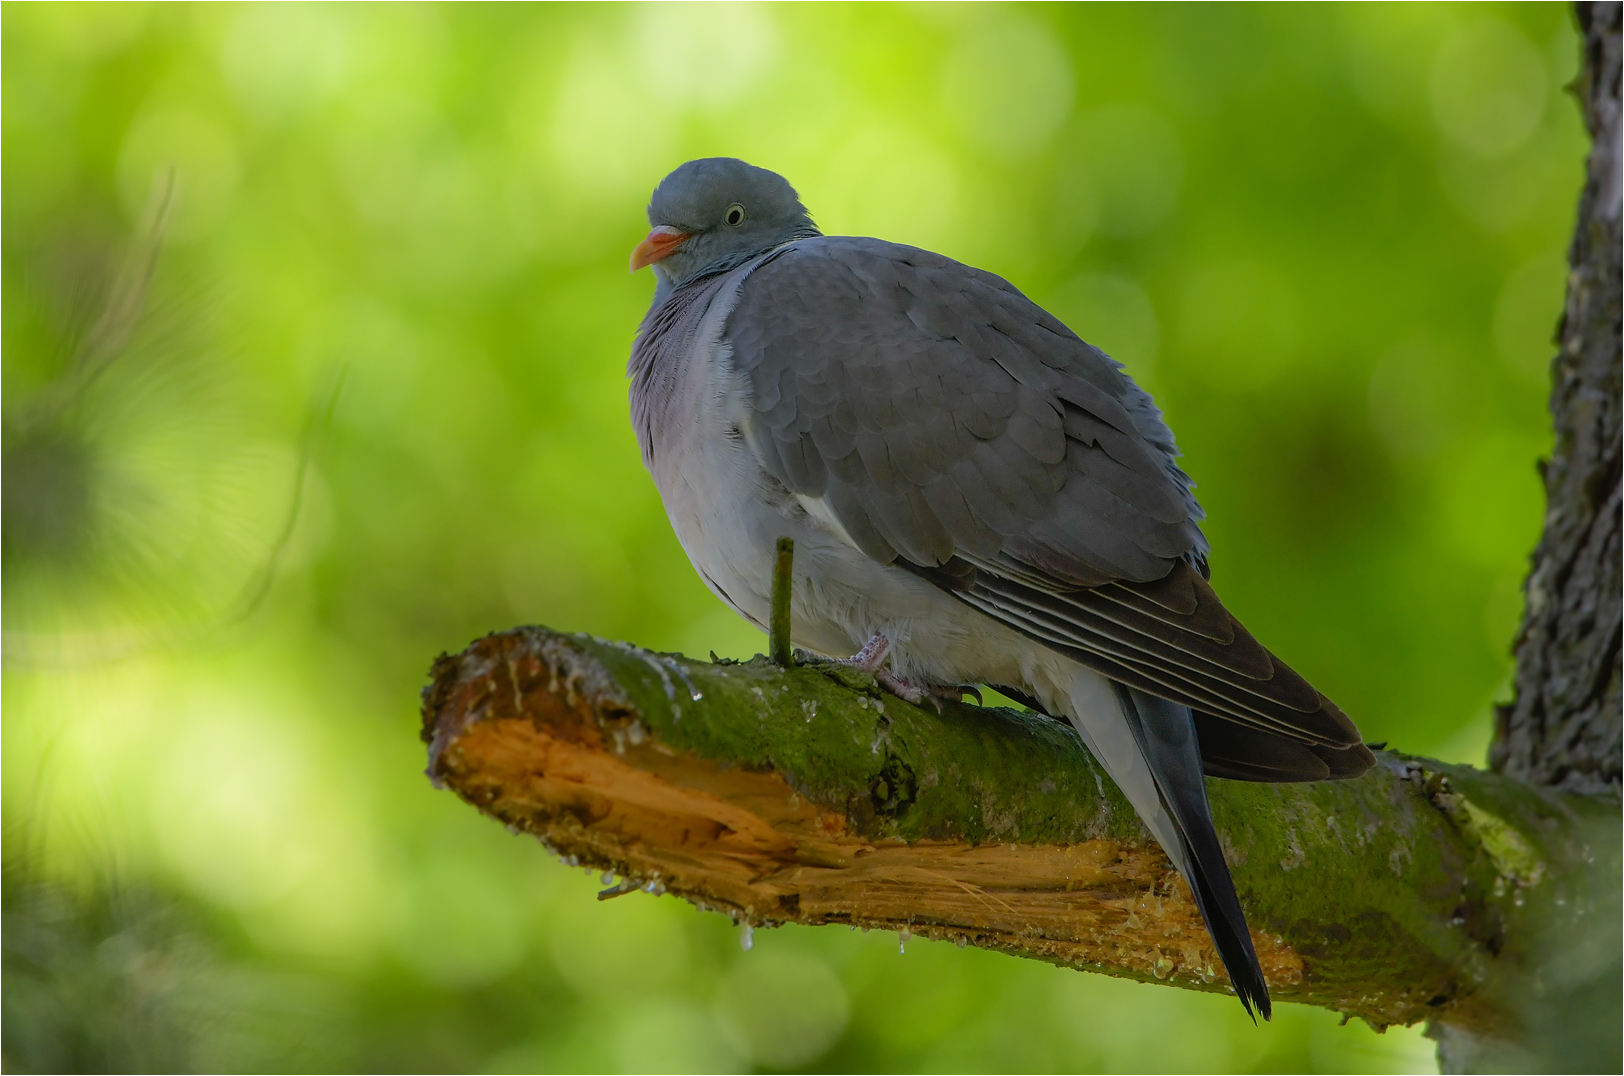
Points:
(716, 213)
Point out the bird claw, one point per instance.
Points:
(899, 687)
(934, 694)
(871, 660)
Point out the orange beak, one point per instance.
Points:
(660, 242)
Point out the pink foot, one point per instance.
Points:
(932, 693)
(871, 659)
(899, 687)
(872, 656)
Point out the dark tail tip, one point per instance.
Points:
(1234, 944)
(1169, 740)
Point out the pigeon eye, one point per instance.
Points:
(734, 216)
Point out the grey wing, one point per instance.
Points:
(941, 413)
(954, 427)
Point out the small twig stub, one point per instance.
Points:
(783, 577)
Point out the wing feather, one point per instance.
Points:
(955, 428)
(1166, 671)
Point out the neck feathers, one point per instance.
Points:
(664, 341)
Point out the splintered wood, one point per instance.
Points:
(593, 783)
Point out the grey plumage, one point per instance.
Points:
(969, 478)
(954, 414)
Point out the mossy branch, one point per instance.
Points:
(806, 795)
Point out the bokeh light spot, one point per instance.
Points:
(1008, 85)
(1131, 160)
(1487, 86)
(782, 1009)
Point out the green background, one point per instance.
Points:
(1329, 239)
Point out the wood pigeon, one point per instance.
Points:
(976, 496)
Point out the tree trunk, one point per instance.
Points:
(1563, 728)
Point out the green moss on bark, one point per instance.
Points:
(1418, 891)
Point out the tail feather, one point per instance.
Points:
(1166, 735)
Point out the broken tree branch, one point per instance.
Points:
(806, 795)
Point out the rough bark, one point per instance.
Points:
(1563, 728)
(805, 795)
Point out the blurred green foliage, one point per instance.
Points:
(1329, 239)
